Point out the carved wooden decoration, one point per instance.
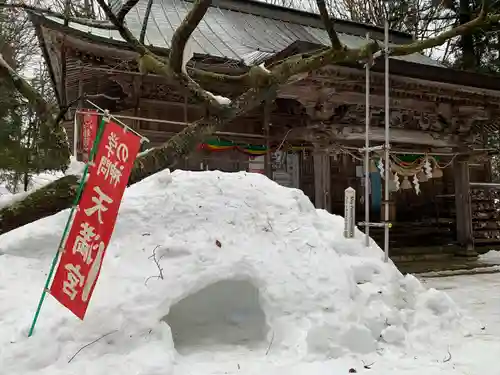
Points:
(485, 215)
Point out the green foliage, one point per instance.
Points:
(27, 146)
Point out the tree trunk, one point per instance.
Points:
(46, 201)
(60, 194)
(466, 41)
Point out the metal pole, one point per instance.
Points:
(67, 227)
(387, 146)
(75, 136)
(80, 106)
(491, 185)
(367, 146)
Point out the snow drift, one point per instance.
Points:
(207, 262)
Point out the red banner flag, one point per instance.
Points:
(89, 126)
(95, 218)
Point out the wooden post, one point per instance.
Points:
(77, 126)
(465, 236)
(267, 156)
(322, 181)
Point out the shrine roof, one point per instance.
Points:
(241, 30)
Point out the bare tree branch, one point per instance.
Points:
(49, 12)
(327, 21)
(482, 21)
(127, 7)
(124, 32)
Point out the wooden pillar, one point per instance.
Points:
(465, 236)
(322, 181)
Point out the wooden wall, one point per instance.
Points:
(432, 202)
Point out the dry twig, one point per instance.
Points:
(157, 262)
(270, 344)
(448, 358)
(93, 342)
(368, 367)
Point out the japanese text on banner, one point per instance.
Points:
(94, 221)
(89, 127)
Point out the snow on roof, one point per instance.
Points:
(296, 287)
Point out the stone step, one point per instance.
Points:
(452, 266)
(420, 257)
(423, 250)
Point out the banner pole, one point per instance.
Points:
(68, 222)
(75, 137)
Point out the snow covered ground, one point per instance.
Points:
(491, 257)
(251, 279)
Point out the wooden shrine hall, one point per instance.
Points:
(309, 137)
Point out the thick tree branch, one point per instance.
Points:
(261, 83)
(184, 31)
(40, 105)
(259, 77)
(328, 23)
(60, 194)
(150, 63)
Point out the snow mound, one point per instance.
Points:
(208, 262)
(491, 257)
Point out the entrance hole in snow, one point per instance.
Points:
(227, 312)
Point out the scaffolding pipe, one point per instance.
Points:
(367, 148)
(387, 146)
(491, 185)
(75, 137)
